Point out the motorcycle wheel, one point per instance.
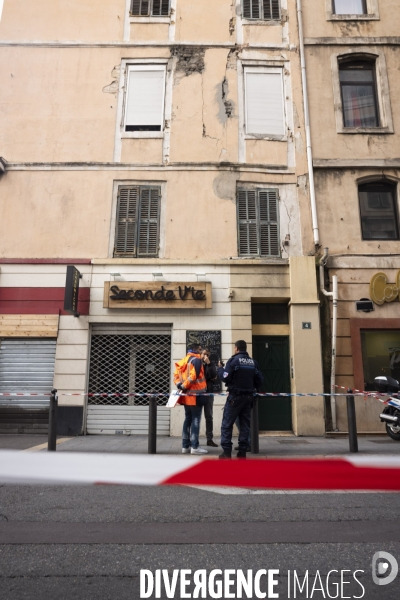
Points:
(393, 432)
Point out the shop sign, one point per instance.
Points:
(72, 291)
(141, 294)
(382, 291)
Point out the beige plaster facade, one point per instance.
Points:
(67, 152)
(344, 159)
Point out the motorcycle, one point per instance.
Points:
(391, 414)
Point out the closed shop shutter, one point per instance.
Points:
(128, 359)
(27, 366)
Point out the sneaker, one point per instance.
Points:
(225, 454)
(198, 451)
(185, 450)
(212, 443)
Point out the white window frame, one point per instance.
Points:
(372, 12)
(143, 134)
(382, 90)
(267, 70)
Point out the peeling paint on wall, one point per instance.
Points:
(113, 87)
(224, 186)
(190, 59)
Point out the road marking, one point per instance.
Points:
(44, 446)
(234, 491)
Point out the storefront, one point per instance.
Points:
(134, 320)
(368, 342)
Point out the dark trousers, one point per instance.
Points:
(236, 407)
(208, 415)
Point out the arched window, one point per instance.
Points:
(349, 7)
(378, 211)
(359, 96)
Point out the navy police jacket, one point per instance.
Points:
(241, 374)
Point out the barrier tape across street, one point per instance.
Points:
(368, 473)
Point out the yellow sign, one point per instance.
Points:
(382, 291)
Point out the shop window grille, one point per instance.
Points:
(127, 364)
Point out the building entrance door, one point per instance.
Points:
(272, 355)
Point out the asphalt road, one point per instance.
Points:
(91, 542)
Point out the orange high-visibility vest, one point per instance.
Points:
(185, 373)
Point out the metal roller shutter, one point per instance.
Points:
(128, 359)
(27, 365)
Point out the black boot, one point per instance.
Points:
(241, 454)
(226, 454)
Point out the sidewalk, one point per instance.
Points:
(272, 446)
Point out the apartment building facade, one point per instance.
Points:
(352, 54)
(159, 147)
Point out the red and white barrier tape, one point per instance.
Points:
(374, 473)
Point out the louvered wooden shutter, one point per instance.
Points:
(160, 8)
(127, 216)
(145, 99)
(271, 9)
(269, 223)
(264, 103)
(149, 222)
(140, 8)
(251, 9)
(247, 223)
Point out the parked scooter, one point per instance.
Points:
(391, 414)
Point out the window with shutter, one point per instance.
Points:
(153, 8)
(144, 110)
(138, 221)
(264, 102)
(267, 10)
(258, 223)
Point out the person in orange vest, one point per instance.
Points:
(189, 377)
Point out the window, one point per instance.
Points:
(150, 8)
(378, 211)
(138, 221)
(261, 9)
(264, 113)
(269, 314)
(349, 7)
(258, 222)
(380, 355)
(359, 97)
(144, 110)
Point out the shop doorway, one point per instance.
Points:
(126, 360)
(272, 355)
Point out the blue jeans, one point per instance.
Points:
(236, 407)
(191, 426)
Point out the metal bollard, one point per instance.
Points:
(152, 447)
(254, 428)
(351, 421)
(52, 439)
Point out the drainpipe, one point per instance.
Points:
(314, 215)
(334, 295)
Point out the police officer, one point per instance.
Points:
(243, 378)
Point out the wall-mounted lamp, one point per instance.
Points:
(155, 275)
(364, 305)
(115, 275)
